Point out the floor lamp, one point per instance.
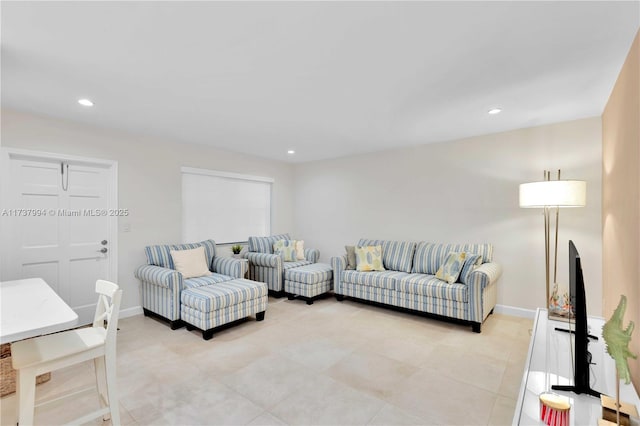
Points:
(551, 195)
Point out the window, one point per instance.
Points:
(225, 207)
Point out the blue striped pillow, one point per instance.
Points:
(470, 264)
(427, 258)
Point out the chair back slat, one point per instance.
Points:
(108, 307)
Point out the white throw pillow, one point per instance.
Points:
(190, 263)
(300, 250)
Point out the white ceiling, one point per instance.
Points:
(327, 79)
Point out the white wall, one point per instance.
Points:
(149, 180)
(463, 191)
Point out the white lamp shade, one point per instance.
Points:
(554, 193)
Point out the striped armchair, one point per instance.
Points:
(266, 267)
(162, 284)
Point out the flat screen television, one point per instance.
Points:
(578, 302)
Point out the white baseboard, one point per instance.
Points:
(130, 312)
(499, 309)
(514, 311)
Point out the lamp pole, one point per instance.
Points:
(547, 242)
(549, 194)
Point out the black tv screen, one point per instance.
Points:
(578, 301)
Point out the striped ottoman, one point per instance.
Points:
(308, 281)
(213, 305)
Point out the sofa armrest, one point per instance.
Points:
(338, 263)
(312, 255)
(485, 274)
(264, 259)
(162, 277)
(236, 268)
(480, 299)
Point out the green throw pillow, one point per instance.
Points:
(351, 257)
(369, 258)
(450, 269)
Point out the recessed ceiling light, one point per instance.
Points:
(291, 151)
(85, 102)
(494, 111)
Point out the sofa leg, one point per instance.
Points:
(146, 312)
(260, 316)
(476, 327)
(207, 334)
(491, 312)
(189, 327)
(176, 324)
(309, 301)
(339, 297)
(276, 293)
(290, 296)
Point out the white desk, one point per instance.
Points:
(31, 308)
(549, 363)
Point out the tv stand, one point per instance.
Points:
(574, 389)
(564, 330)
(549, 364)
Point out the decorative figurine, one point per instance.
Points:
(617, 340)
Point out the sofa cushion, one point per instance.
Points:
(429, 256)
(210, 298)
(191, 263)
(265, 244)
(160, 255)
(214, 278)
(289, 265)
(450, 269)
(429, 285)
(396, 255)
(309, 274)
(369, 258)
(385, 279)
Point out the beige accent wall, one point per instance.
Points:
(149, 182)
(463, 191)
(621, 198)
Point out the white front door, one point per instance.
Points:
(59, 223)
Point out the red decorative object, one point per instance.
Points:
(554, 409)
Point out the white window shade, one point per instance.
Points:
(225, 207)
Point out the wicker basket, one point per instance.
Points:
(8, 374)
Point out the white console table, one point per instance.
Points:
(549, 363)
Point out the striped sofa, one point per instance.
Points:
(409, 280)
(266, 267)
(162, 285)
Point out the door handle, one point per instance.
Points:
(103, 250)
(104, 242)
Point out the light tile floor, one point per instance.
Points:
(332, 363)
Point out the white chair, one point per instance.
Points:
(36, 356)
